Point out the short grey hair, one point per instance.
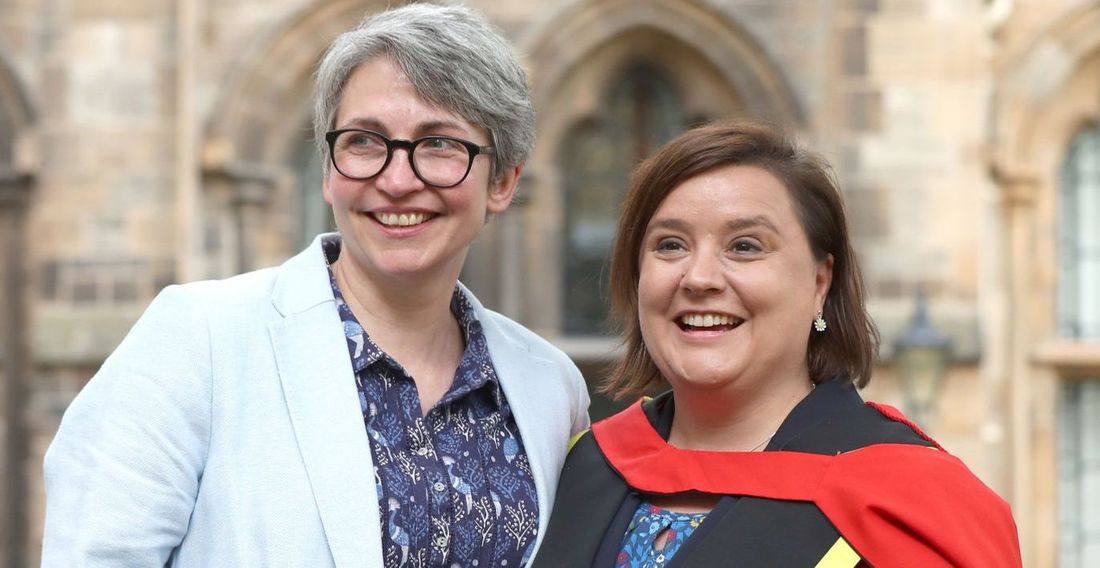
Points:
(454, 59)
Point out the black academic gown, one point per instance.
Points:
(594, 504)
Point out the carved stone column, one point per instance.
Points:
(513, 243)
(246, 190)
(1018, 195)
(14, 192)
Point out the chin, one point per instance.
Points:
(701, 378)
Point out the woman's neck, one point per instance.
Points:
(734, 421)
(407, 320)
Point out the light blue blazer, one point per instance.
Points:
(225, 430)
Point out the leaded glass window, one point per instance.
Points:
(1079, 240)
(1079, 319)
(642, 110)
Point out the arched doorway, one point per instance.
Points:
(261, 178)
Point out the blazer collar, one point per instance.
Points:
(323, 405)
(303, 281)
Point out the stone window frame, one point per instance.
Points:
(1045, 93)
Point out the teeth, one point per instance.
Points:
(400, 219)
(708, 320)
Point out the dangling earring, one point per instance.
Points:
(819, 322)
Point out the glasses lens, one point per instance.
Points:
(441, 161)
(359, 154)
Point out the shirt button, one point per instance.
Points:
(439, 487)
(440, 541)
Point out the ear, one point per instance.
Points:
(503, 190)
(325, 189)
(823, 279)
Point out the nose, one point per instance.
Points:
(398, 179)
(702, 272)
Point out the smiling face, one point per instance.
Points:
(728, 286)
(393, 225)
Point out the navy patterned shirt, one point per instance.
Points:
(454, 485)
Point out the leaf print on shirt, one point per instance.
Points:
(407, 467)
(484, 518)
(523, 464)
(462, 428)
(504, 480)
(491, 430)
(420, 441)
(471, 471)
(521, 523)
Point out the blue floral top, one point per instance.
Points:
(454, 485)
(650, 522)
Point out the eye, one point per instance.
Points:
(745, 246)
(669, 244)
(359, 141)
(440, 146)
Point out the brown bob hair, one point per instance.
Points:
(846, 351)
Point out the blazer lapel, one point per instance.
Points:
(531, 401)
(537, 402)
(323, 405)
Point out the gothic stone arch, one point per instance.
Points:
(571, 57)
(254, 136)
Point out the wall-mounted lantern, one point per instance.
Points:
(921, 353)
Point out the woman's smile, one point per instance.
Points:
(728, 284)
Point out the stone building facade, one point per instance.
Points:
(145, 143)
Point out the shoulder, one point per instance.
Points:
(851, 424)
(906, 501)
(502, 329)
(538, 371)
(242, 288)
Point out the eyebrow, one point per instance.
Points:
(422, 129)
(735, 224)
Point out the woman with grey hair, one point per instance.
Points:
(356, 406)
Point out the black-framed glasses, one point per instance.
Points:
(439, 161)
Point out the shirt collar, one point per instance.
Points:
(475, 368)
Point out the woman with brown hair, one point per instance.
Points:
(735, 284)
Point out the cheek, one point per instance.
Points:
(338, 190)
(466, 200)
(657, 286)
(648, 289)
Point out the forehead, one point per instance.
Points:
(731, 192)
(380, 93)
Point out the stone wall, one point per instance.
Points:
(124, 111)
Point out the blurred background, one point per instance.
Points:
(160, 141)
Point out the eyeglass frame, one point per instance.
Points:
(409, 146)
